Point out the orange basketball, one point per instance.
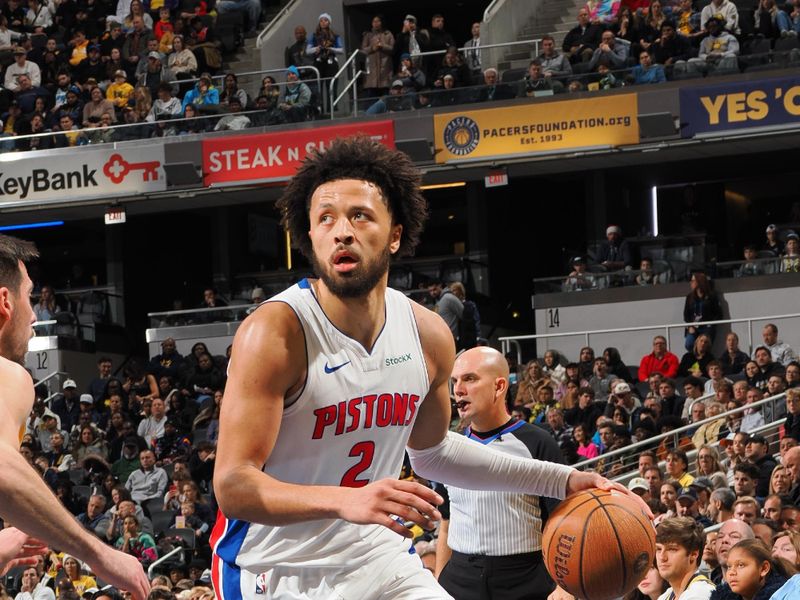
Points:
(598, 545)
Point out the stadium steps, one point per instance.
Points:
(555, 18)
(247, 57)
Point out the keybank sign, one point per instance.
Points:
(82, 173)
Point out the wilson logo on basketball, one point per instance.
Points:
(563, 554)
(461, 136)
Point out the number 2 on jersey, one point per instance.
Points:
(366, 450)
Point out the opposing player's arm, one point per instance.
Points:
(439, 455)
(268, 360)
(31, 506)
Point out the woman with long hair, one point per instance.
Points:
(378, 46)
(231, 89)
(696, 360)
(649, 588)
(585, 447)
(753, 573)
(752, 373)
(780, 482)
(89, 444)
(325, 46)
(616, 366)
(708, 465)
(701, 305)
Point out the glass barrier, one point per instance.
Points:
(200, 316)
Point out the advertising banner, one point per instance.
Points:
(740, 105)
(80, 174)
(276, 156)
(536, 127)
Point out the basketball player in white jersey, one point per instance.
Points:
(27, 502)
(329, 382)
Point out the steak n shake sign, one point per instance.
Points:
(80, 173)
(276, 156)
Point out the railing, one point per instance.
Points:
(675, 434)
(152, 568)
(351, 63)
(535, 43)
(506, 342)
(176, 318)
(268, 27)
(46, 382)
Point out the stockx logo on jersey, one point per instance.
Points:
(397, 360)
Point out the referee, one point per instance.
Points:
(490, 547)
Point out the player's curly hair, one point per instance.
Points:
(361, 158)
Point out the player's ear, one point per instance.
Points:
(6, 304)
(395, 238)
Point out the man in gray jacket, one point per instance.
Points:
(554, 64)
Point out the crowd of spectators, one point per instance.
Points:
(78, 69)
(613, 263)
(131, 454)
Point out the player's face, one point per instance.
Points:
(352, 235)
(673, 560)
(16, 333)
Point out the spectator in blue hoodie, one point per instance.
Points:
(203, 93)
(646, 71)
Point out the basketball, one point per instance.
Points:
(598, 545)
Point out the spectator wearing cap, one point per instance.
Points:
(757, 453)
(578, 279)
(378, 46)
(704, 486)
(773, 243)
(411, 77)
(718, 51)
(296, 101)
(66, 405)
(660, 360)
(780, 352)
(154, 75)
(395, 101)
(723, 11)
(120, 92)
(21, 66)
(174, 445)
(144, 61)
(128, 460)
(203, 93)
(325, 46)
(790, 262)
(614, 253)
(640, 487)
(412, 41)
(91, 70)
(686, 505)
(622, 397)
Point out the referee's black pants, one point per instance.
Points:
(515, 577)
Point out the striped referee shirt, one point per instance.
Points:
(501, 523)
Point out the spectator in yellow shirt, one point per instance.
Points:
(119, 92)
(80, 47)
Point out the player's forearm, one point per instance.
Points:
(443, 551)
(29, 505)
(464, 463)
(249, 494)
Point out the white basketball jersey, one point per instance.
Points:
(348, 427)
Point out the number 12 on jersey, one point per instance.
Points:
(366, 450)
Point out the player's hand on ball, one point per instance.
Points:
(559, 594)
(581, 480)
(377, 502)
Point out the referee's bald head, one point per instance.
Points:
(489, 360)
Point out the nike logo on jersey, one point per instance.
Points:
(336, 368)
